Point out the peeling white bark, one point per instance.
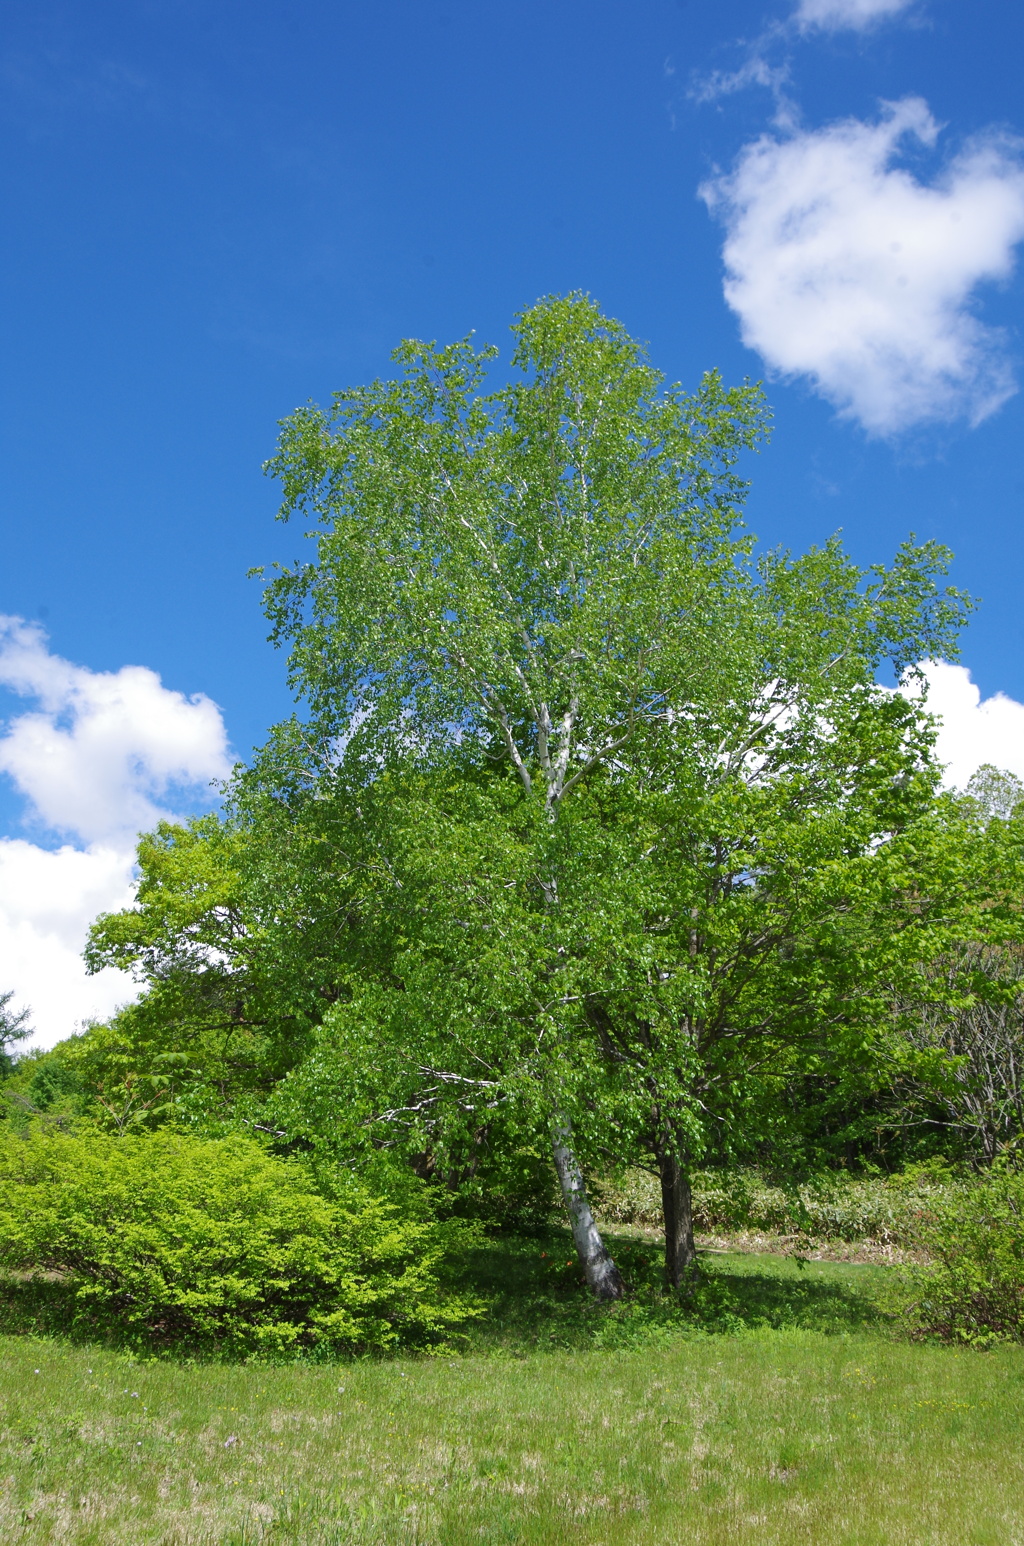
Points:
(600, 1270)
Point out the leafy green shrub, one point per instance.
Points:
(218, 1245)
(972, 1290)
(834, 1206)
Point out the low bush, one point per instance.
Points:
(218, 1245)
(972, 1289)
(835, 1206)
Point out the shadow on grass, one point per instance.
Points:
(536, 1298)
(46, 1306)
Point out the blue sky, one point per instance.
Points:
(213, 213)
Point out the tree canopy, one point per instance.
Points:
(552, 580)
(594, 821)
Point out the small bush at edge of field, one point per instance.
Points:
(972, 1287)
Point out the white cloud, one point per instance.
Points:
(47, 902)
(838, 15)
(850, 271)
(103, 746)
(973, 730)
(100, 757)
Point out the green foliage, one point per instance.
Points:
(958, 998)
(480, 555)
(42, 1082)
(133, 1073)
(593, 821)
(219, 1246)
(995, 791)
(648, 881)
(14, 1027)
(511, 1190)
(54, 1083)
(972, 1290)
(233, 963)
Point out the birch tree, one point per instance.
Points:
(552, 579)
(539, 568)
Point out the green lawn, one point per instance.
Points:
(776, 1408)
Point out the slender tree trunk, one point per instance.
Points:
(601, 1272)
(677, 1206)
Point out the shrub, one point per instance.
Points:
(834, 1206)
(217, 1244)
(972, 1290)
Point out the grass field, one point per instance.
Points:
(777, 1408)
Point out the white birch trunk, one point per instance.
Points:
(600, 1270)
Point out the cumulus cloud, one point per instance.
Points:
(848, 270)
(47, 902)
(841, 15)
(97, 758)
(973, 730)
(103, 747)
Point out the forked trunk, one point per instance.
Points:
(677, 1205)
(601, 1272)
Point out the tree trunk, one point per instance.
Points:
(677, 1205)
(601, 1272)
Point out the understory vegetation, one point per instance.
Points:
(216, 1246)
(832, 1206)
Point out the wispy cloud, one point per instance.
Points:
(846, 269)
(841, 15)
(756, 70)
(97, 757)
(767, 57)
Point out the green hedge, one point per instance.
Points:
(218, 1245)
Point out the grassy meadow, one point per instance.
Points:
(778, 1405)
